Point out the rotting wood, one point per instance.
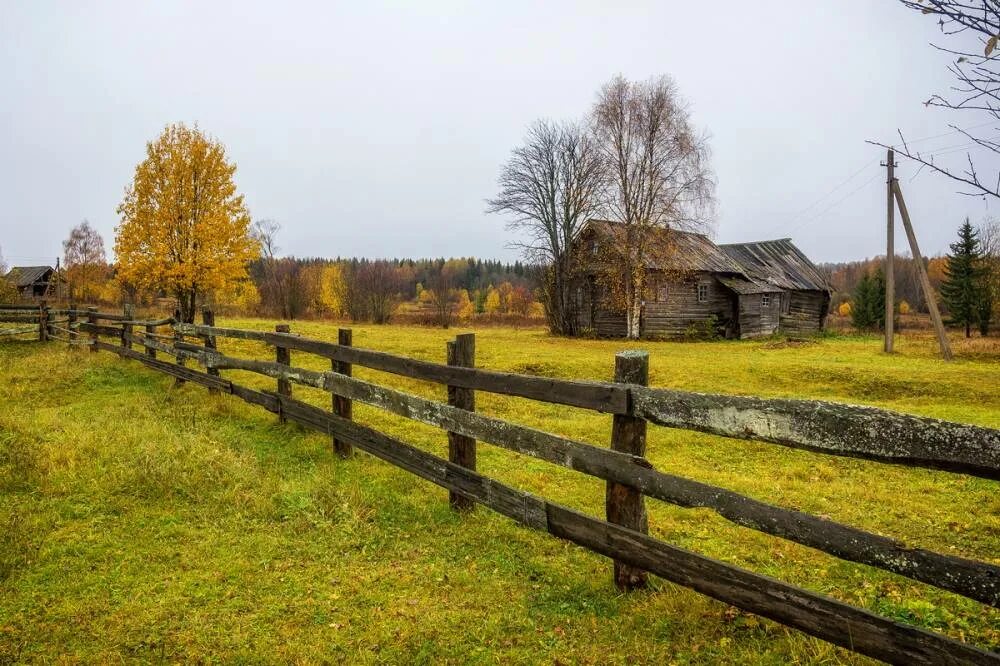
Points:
(282, 356)
(812, 613)
(462, 448)
(178, 371)
(832, 620)
(92, 323)
(100, 329)
(148, 337)
(976, 580)
(127, 326)
(208, 318)
(598, 396)
(827, 427)
(624, 504)
(342, 405)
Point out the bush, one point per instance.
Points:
(706, 329)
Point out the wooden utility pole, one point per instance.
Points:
(890, 253)
(925, 282)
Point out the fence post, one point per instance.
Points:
(625, 505)
(43, 322)
(92, 320)
(127, 328)
(71, 323)
(342, 406)
(208, 319)
(150, 330)
(178, 338)
(283, 355)
(462, 449)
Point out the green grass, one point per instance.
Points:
(143, 522)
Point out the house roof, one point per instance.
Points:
(690, 251)
(777, 262)
(25, 276)
(745, 287)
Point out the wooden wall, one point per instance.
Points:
(796, 313)
(672, 318)
(806, 312)
(757, 319)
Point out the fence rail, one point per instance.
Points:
(831, 428)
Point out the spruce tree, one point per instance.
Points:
(962, 289)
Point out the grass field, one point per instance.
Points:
(142, 522)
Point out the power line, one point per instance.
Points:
(844, 182)
(954, 131)
(836, 203)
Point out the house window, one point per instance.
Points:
(594, 247)
(662, 291)
(580, 297)
(765, 300)
(703, 293)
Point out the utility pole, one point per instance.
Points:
(925, 282)
(890, 252)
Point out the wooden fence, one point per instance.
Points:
(831, 428)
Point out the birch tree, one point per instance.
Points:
(658, 178)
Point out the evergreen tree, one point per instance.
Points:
(962, 289)
(868, 305)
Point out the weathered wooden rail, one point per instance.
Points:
(831, 428)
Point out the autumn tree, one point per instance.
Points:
(85, 261)
(372, 291)
(443, 296)
(963, 287)
(658, 179)
(550, 186)
(185, 230)
(8, 292)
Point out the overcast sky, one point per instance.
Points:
(378, 129)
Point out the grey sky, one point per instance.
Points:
(378, 129)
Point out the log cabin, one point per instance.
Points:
(740, 290)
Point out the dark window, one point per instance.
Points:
(765, 300)
(703, 293)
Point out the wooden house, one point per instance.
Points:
(33, 283)
(741, 290)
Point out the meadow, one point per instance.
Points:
(145, 522)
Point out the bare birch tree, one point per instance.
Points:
(659, 179)
(550, 185)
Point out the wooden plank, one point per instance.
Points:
(178, 371)
(11, 306)
(623, 502)
(602, 397)
(342, 406)
(818, 615)
(100, 329)
(148, 338)
(976, 580)
(462, 448)
(208, 318)
(282, 356)
(127, 326)
(20, 319)
(91, 322)
(827, 427)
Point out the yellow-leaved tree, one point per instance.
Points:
(184, 229)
